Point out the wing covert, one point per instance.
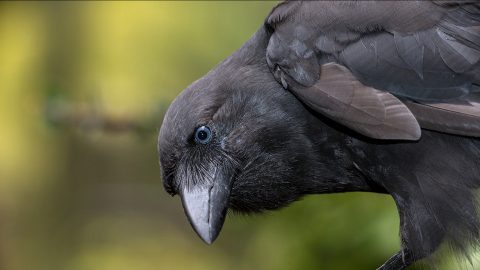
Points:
(425, 52)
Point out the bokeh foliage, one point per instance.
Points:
(83, 89)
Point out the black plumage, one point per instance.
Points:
(330, 97)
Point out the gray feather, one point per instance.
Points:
(428, 52)
(411, 51)
(371, 112)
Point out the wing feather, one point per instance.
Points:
(371, 112)
(460, 117)
(424, 52)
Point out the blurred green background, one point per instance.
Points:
(83, 90)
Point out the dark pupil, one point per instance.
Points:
(202, 135)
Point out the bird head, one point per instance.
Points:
(235, 139)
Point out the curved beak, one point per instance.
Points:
(206, 206)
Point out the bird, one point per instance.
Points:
(338, 96)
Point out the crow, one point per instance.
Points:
(333, 97)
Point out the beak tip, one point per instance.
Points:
(207, 236)
(208, 241)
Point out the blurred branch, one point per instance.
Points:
(61, 113)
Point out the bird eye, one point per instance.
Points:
(203, 135)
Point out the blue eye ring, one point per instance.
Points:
(203, 135)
